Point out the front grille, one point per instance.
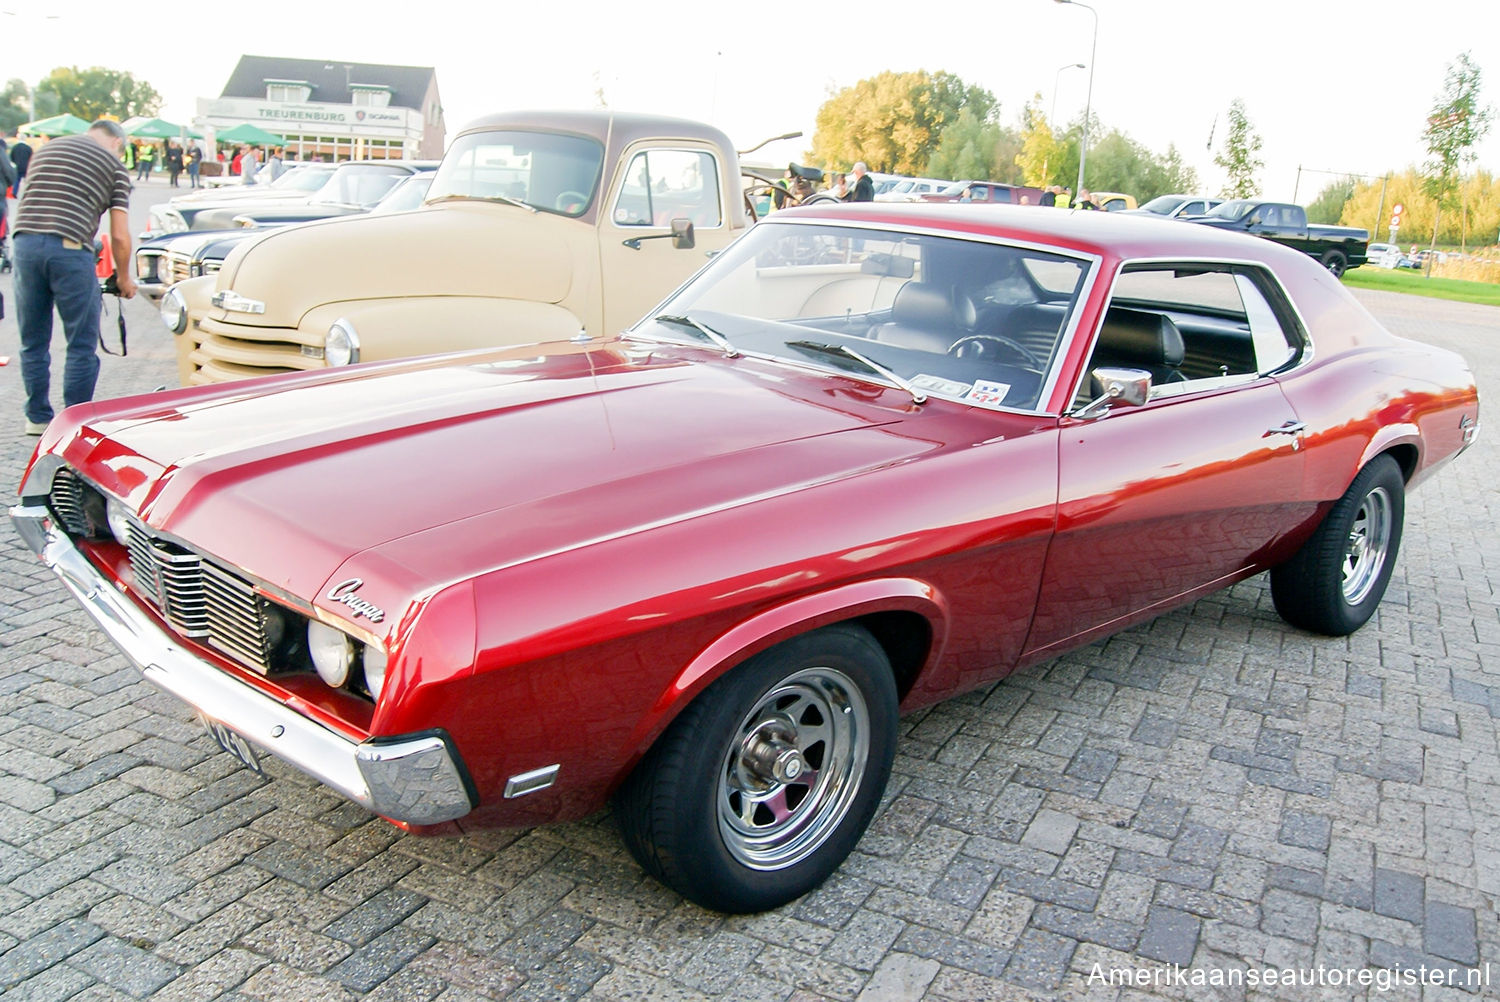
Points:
(179, 267)
(67, 503)
(201, 599)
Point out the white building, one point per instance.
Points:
(332, 110)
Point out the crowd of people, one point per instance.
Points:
(142, 157)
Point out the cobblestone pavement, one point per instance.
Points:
(1213, 789)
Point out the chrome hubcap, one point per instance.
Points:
(793, 769)
(1369, 542)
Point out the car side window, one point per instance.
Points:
(663, 185)
(1192, 327)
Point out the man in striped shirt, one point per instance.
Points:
(72, 181)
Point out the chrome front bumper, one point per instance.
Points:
(415, 778)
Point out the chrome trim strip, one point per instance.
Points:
(417, 779)
(530, 782)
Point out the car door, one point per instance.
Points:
(639, 260)
(1188, 492)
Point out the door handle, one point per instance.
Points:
(1288, 428)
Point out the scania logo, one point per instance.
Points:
(359, 115)
(343, 592)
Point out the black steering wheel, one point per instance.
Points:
(959, 349)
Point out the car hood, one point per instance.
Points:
(406, 254)
(397, 472)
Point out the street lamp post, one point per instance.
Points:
(1083, 145)
(1056, 80)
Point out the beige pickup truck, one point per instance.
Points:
(538, 226)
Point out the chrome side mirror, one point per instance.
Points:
(1110, 386)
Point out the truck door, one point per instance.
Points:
(638, 260)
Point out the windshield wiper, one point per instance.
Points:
(844, 351)
(730, 351)
(484, 198)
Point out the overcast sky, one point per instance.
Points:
(1313, 74)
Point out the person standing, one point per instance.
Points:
(1049, 196)
(174, 161)
(864, 185)
(144, 159)
(194, 160)
(273, 163)
(20, 157)
(72, 183)
(248, 163)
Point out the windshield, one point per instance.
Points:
(967, 320)
(1232, 210)
(304, 177)
(955, 189)
(359, 184)
(1162, 205)
(902, 187)
(546, 170)
(408, 194)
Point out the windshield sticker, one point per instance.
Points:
(987, 393)
(937, 384)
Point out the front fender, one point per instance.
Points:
(771, 627)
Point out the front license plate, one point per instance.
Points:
(234, 745)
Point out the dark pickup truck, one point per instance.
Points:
(1337, 247)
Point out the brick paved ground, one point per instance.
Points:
(1211, 789)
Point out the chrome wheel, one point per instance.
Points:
(793, 768)
(1369, 542)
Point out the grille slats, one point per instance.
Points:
(67, 503)
(197, 597)
(200, 598)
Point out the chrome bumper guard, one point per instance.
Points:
(417, 778)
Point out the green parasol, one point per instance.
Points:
(58, 125)
(248, 133)
(156, 128)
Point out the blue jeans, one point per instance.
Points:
(47, 275)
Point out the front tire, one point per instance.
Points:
(1335, 582)
(764, 784)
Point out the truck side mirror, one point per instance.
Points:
(681, 234)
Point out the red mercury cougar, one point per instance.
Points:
(869, 457)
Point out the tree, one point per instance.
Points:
(14, 109)
(96, 92)
(893, 121)
(1238, 155)
(1041, 151)
(965, 149)
(1455, 126)
(1328, 207)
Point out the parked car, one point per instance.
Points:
(1114, 201)
(1390, 256)
(911, 189)
(1338, 248)
(297, 185)
(869, 458)
(176, 257)
(579, 221)
(985, 192)
(1178, 206)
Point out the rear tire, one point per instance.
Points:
(762, 786)
(1335, 582)
(1336, 263)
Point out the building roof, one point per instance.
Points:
(330, 83)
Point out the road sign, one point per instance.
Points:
(1396, 209)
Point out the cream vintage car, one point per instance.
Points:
(538, 225)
